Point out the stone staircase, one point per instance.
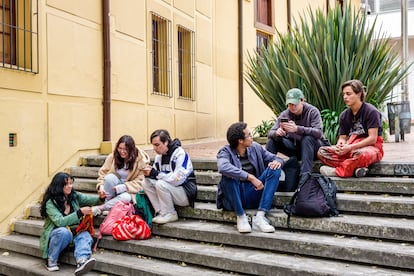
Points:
(373, 235)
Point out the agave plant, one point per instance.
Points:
(318, 55)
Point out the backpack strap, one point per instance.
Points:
(288, 208)
(323, 180)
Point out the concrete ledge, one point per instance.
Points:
(331, 247)
(382, 168)
(352, 225)
(361, 203)
(12, 263)
(107, 262)
(385, 168)
(387, 254)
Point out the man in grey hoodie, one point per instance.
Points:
(298, 131)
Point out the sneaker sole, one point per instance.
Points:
(164, 221)
(245, 231)
(361, 173)
(51, 269)
(257, 228)
(88, 266)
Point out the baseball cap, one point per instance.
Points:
(293, 96)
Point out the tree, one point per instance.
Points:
(318, 55)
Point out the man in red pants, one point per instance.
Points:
(360, 136)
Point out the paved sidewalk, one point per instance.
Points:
(402, 151)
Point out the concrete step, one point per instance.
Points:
(216, 256)
(87, 185)
(84, 172)
(346, 202)
(384, 228)
(17, 264)
(198, 164)
(382, 168)
(86, 180)
(380, 205)
(382, 253)
(116, 263)
(383, 185)
(351, 249)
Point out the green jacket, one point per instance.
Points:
(56, 219)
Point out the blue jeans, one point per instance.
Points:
(61, 237)
(240, 195)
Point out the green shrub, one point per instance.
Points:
(263, 128)
(323, 50)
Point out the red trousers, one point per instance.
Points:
(360, 158)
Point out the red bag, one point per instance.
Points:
(86, 225)
(131, 228)
(121, 209)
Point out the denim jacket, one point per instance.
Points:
(229, 165)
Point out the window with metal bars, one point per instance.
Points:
(161, 56)
(264, 22)
(186, 63)
(18, 35)
(262, 39)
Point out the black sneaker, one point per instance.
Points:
(85, 266)
(361, 172)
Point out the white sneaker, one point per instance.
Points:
(52, 266)
(169, 217)
(361, 172)
(327, 171)
(262, 223)
(243, 225)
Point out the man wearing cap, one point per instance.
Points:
(297, 131)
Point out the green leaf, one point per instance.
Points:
(322, 51)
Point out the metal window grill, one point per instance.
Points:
(161, 56)
(18, 35)
(186, 63)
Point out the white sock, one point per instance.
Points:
(260, 214)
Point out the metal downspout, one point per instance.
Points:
(240, 46)
(289, 15)
(106, 73)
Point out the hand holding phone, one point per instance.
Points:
(284, 120)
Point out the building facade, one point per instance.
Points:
(76, 75)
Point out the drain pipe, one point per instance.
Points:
(289, 15)
(106, 145)
(240, 46)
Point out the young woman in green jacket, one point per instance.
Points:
(63, 209)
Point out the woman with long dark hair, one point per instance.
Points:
(63, 209)
(121, 176)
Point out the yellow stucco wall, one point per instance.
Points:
(57, 114)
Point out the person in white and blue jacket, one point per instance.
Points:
(171, 180)
(250, 177)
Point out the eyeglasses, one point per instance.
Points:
(248, 136)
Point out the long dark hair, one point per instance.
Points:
(55, 192)
(132, 153)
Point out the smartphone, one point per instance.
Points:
(284, 120)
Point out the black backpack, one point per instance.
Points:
(314, 197)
